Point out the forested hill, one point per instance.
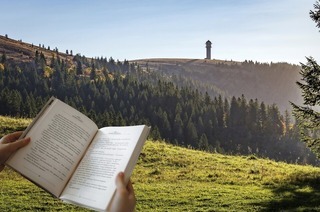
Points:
(271, 83)
(122, 93)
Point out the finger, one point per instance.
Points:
(11, 137)
(120, 181)
(18, 144)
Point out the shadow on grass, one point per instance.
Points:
(298, 193)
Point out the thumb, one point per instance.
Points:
(120, 181)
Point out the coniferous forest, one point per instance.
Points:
(121, 93)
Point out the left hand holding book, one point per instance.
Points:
(9, 144)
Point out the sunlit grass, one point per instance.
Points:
(8, 125)
(171, 178)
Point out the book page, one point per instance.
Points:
(58, 141)
(93, 183)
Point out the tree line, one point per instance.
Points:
(121, 93)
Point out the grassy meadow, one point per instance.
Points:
(171, 178)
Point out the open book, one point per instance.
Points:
(72, 159)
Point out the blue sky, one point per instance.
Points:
(258, 30)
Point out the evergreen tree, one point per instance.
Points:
(252, 122)
(93, 72)
(178, 128)
(155, 134)
(309, 119)
(287, 123)
(203, 142)
(315, 15)
(79, 67)
(191, 134)
(220, 116)
(234, 119)
(274, 127)
(309, 123)
(262, 121)
(16, 103)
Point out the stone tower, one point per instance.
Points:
(208, 47)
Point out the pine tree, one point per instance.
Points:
(252, 120)
(191, 134)
(274, 127)
(262, 121)
(178, 128)
(220, 116)
(79, 67)
(155, 134)
(309, 119)
(93, 72)
(234, 119)
(315, 15)
(287, 123)
(203, 142)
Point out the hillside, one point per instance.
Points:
(271, 83)
(20, 51)
(171, 178)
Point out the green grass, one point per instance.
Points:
(8, 125)
(170, 178)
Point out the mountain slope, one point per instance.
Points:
(271, 83)
(19, 51)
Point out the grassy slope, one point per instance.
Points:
(24, 52)
(169, 178)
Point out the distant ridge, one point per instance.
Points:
(273, 83)
(183, 60)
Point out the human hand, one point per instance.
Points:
(124, 199)
(9, 144)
